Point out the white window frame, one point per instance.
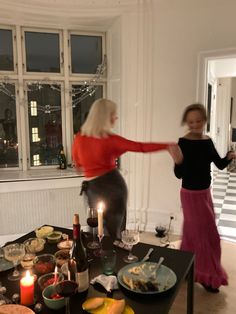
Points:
(65, 78)
(13, 29)
(61, 52)
(63, 123)
(85, 75)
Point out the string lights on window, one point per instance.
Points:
(79, 93)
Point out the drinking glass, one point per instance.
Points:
(14, 253)
(92, 221)
(130, 238)
(67, 288)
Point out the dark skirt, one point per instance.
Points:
(110, 189)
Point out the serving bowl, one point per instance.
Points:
(34, 245)
(44, 231)
(49, 279)
(54, 237)
(50, 298)
(44, 264)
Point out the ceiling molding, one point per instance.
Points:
(70, 13)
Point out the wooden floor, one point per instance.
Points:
(205, 302)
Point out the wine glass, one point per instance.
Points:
(14, 253)
(92, 221)
(66, 288)
(130, 238)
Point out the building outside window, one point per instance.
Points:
(45, 97)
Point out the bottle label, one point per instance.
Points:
(83, 280)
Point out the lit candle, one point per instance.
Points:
(100, 220)
(27, 289)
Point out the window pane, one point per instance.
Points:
(6, 50)
(86, 53)
(81, 102)
(42, 52)
(44, 112)
(8, 129)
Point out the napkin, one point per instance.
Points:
(108, 282)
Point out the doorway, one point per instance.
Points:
(217, 91)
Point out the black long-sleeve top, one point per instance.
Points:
(195, 170)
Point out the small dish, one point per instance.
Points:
(66, 244)
(49, 279)
(62, 257)
(44, 231)
(34, 245)
(44, 264)
(51, 299)
(54, 237)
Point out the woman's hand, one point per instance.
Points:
(231, 155)
(176, 153)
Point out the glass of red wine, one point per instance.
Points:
(66, 289)
(92, 221)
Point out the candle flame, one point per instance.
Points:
(100, 206)
(27, 275)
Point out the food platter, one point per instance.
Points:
(146, 278)
(6, 265)
(15, 309)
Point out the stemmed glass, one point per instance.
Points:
(92, 221)
(14, 253)
(130, 238)
(66, 288)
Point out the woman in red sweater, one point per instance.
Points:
(95, 151)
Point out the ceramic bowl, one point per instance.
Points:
(54, 304)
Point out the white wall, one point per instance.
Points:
(183, 29)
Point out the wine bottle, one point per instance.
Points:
(78, 259)
(62, 158)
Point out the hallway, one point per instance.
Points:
(224, 198)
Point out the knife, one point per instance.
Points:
(146, 257)
(159, 263)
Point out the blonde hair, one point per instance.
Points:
(98, 122)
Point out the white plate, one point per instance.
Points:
(165, 277)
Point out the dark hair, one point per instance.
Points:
(194, 107)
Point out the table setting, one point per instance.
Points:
(121, 274)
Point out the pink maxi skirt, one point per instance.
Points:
(200, 236)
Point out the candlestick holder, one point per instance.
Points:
(99, 251)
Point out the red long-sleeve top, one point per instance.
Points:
(96, 156)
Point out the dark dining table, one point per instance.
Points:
(181, 262)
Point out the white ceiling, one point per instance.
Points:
(67, 13)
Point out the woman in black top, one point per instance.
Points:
(200, 234)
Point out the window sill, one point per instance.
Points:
(39, 174)
(40, 179)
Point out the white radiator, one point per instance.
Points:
(23, 211)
